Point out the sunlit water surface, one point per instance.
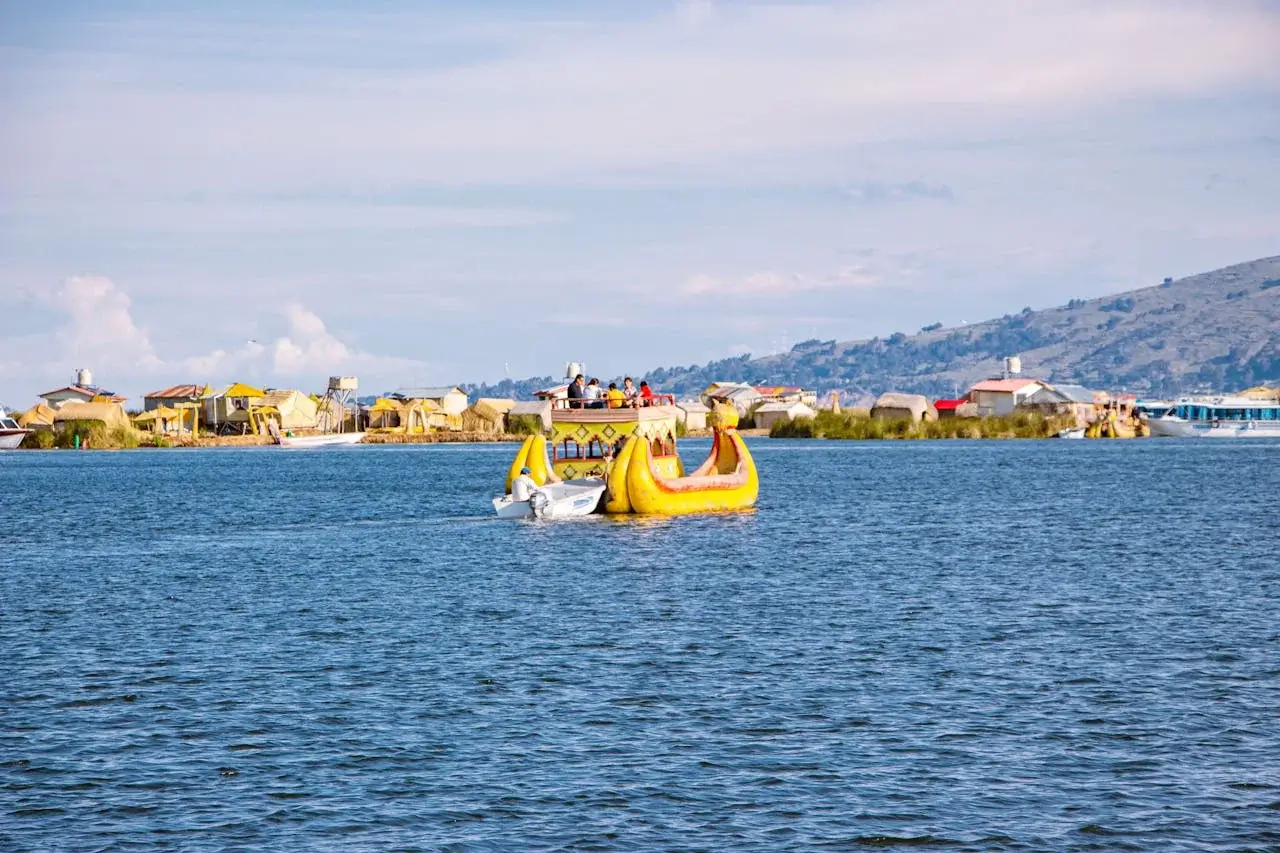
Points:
(952, 645)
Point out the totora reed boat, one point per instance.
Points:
(633, 450)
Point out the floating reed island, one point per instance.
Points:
(859, 425)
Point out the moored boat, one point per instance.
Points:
(11, 434)
(329, 439)
(1217, 417)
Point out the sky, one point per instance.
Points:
(436, 193)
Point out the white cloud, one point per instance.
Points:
(98, 331)
(99, 326)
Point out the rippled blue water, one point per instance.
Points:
(952, 645)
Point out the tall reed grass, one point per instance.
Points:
(860, 427)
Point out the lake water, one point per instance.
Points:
(943, 645)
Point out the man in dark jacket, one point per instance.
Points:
(577, 392)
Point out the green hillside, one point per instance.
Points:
(1214, 331)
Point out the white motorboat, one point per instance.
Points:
(1218, 417)
(1074, 432)
(327, 439)
(569, 499)
(11, 434)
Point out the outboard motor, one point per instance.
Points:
(538, 502)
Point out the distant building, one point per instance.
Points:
(693, 413)
(449, 399)
(221, 404)
(787, 394)
(1074, 400)
(170, 397)
(1002, 396)
(79, 394)
(912, 407)
(741, 395)
(771, 413)
(552, 394)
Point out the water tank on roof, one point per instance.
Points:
(84, 378)
(343, 383)
(572, 369)
(1012, 365)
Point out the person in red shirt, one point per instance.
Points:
(646, 394)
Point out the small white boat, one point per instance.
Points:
(569, 499)
(11, 434)
(1074, 432)
(328, 439)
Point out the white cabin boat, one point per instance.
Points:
(11, 435)
(1218, 417)
(328, 439)
(569, 499)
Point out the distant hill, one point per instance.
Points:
(1215, 331)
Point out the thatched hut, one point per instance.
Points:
(487, 415)
(166, 420)
(111, 414)
(894, 406)
(39, 416)
(531, 415)
(296, 410)
(384, 414)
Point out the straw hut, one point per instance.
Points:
(166, 420)
(111, 414)
(771, 413)
(913, 407)
(384, 414)
(487, 415)
(532, 410)
(39, 416)
(295, 409)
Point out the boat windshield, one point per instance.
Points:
(9, 423)
(1205, 412)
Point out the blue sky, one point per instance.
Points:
(431, 193)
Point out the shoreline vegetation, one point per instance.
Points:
(849, 425)
(858, 426)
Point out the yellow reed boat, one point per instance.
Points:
(633, 450)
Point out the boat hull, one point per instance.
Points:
(726, 481)
(1173, 427)
(10, 439)
(326, 440)
(570, 499)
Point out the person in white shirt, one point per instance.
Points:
(523, 488)
(594, 394)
